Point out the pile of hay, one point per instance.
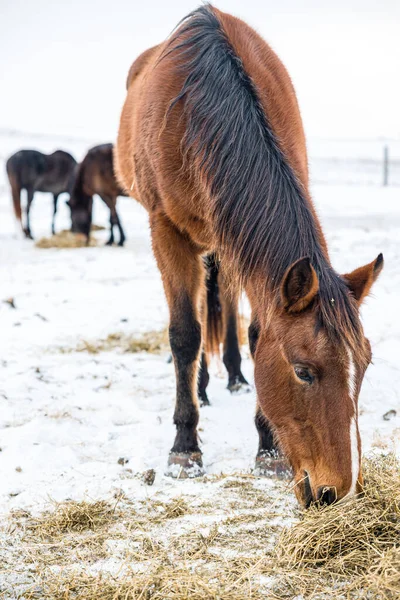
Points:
(231, 546)
(353, 546)
(65, 239)
(72, 516)
(153, 342)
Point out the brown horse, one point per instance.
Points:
(95, 175)
(37, 172)
(212, 144)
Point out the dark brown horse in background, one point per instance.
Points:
(212, 144)
(95, 175)
(34, 171)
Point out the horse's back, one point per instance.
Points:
(98, 171)
(25, 166)
(59, 167)
(149, 158)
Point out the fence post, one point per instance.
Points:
(385, 165)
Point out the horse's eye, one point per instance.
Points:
(304, 374)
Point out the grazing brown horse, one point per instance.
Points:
(212, 144)
(95, 175)
(37, 172)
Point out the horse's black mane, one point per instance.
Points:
(262, 217)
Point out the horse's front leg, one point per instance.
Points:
(270, 462)
(183, 278)
(27, 230)
(53, 221)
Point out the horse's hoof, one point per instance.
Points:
(239, 387)
(273, 467)
(185, 465)
(109, 243)
(204, 401)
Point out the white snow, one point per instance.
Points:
(66, 418)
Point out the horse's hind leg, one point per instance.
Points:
(53, 222)
(114, 220)
(183, 277)
(229, 299)
(203, 381)
(110, 202)
(110, 240)
(122, 237)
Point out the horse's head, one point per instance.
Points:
(80, 204)
(308, 382)
(81, 218)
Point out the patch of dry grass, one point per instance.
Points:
(65, 239)
(355, 543)
(163, 582)
(164, 511)
(153, 342)
(236, 552)
(70, 517)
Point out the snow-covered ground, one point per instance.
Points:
(67, 417)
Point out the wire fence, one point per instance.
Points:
(355, 162)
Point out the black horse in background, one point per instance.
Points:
(95, 175)
(34, 171)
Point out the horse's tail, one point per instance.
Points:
(214, 308)
(15, 191)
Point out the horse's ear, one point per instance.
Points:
(300, 285)
(360, 281)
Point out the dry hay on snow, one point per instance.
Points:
(65, 239)
(355, 544)
(153, 342)
(234, 538)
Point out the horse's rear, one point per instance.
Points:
(25, 166)
(211, 143)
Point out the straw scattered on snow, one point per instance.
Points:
(240, 551)
(65, 239)
(153, 342)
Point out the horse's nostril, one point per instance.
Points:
(326, 494)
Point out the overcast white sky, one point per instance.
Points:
(63, 64)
